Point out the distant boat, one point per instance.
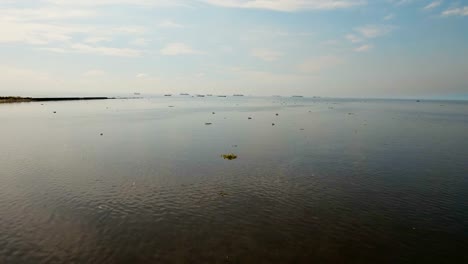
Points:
(209, 95)
(200, 95)
(136, 93)
(184, 94)
(238, 95)
(168, 95)
(298, 96)
(221, 95)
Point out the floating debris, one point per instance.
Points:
(208, 123)
(350, 113)
(213, 113)
(301, 129)
(102, 134)
(171, 106)
(221, 193)
(229, 156)
(234, 146)
(272, 124)
(55, 112)
(249, 117)
(277, 114)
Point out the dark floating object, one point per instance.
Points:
(234, 146)
(249, 117)
(171, 106)
(418, 101)
(102, 134)
(350, 113)
(208, 123)
(184, 94)
(221, 193)
(272, 124)
(229, 156)
(168, 95)
(301, 129)
(213, 113)
(277, 114)
(55, 112)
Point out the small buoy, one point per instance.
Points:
(55, 112)
(208, 124)
(249, 118)
(213, 113)
(272, 124)
(277, 114)
(102, 134)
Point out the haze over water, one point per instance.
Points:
(332, 181)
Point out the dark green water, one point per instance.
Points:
(333, 181)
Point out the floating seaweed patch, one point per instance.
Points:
(229, 156)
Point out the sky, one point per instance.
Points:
(332, 48)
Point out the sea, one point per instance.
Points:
(315, 180)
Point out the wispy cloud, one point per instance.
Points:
(170, 24)
(363, 48)
(288, 5)
(141, 75)
(96, 50)
(374, 31)
(174, 49)
(315, 65)
(389, 17)
(460, 11)
(432, 5)
(353, 38)
(266, 54)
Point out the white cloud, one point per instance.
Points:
(95, 40)
(461, 11)
(433, 5)
(363, 48)
(266, 54)
(389, 17)
(95, 3)
(288, 5)
(96, 50)
(170, 24)
(139, 42)
(374, 31)
(353, 38)
(174, 49)
(320, 63)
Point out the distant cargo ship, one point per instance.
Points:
(238, 95)
(200, 95)
(298, 96)
(221, 95)
(168, 95)
(184, 94)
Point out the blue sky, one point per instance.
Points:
(340, 48)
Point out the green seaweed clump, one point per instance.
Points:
(229, 156)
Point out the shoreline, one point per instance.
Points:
(17, 99)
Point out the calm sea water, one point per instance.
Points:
(333, 181)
